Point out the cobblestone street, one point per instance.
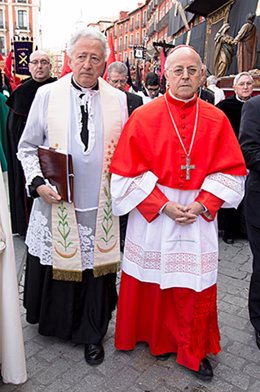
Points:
(57, 366)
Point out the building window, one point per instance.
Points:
(2, 45)
(1, 19)
(145, 17)
(131, 40)
(137, 39)
(126, 42)
(137, 23)
(22, 20)
(21, 1)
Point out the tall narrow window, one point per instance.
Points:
(22, 19)
(1, 19)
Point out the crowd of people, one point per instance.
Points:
(144, 199)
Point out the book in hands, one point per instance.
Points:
(56, 167)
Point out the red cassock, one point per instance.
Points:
(176, 319)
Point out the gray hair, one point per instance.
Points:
(117, 66)
(239, 76)
(212, 79)
(90, 33)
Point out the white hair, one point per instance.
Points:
(239, 76)
(212, 79)
(88, 32)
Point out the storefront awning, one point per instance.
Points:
(204, 7)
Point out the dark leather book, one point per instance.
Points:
(56, 167)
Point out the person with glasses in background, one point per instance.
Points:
(117, 77)
(231, 220)
(177, 161)
(151, 87)
(19, 104)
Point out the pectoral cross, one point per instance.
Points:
(188, 167)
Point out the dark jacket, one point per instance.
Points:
(133, 101)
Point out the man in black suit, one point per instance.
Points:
(231, 220)
(203, 92)
(250, 143)
(117, 77)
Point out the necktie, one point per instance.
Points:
(84, 124)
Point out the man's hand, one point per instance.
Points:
(184, 215)
(48, 194)
(195, 208)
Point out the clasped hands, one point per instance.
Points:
(184, 215)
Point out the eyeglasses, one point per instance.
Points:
(180, 71)
(153, 89)
(42, 62)
(120, 81)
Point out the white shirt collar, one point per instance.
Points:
(182, 100)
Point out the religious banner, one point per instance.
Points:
(22, 51)
(139, 52)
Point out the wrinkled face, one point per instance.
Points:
(87, 61)
(184, 73)
(244, 87)
(39, 67)
(118, 80)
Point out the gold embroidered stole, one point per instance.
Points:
(67, 264)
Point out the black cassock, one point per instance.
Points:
(19, 104)
(232, 220)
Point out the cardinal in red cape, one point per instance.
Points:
(177, 162)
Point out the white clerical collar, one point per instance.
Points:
(241, 100)
(83, 89)
(181, 100)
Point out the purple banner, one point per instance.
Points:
(22, 51)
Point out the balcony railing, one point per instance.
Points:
(163, 22)
(151, 30)
(22, 28)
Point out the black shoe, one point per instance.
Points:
(163, 357)
(228, 241)
(257, 338)
(94, 354)
(205, 371)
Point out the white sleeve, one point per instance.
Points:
(33, 136)
(229, 188)
(128, 192)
